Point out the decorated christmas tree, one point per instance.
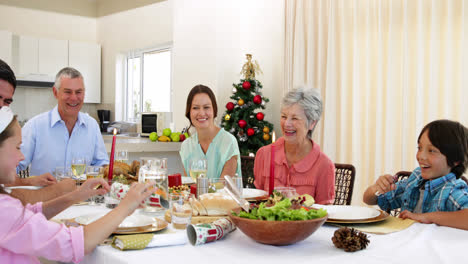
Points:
(243, 117)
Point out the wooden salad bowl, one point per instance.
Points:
(277, 233)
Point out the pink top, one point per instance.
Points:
(25, 234)
(314, 174)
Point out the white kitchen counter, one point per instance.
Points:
(139, 147)
(140, 144)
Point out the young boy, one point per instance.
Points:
(434, 193)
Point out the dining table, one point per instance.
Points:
(419, 243)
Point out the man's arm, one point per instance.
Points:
(44, 194)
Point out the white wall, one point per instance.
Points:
(211, 38)
(126, 31)
(28, 102)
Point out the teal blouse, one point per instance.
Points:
(221, 149)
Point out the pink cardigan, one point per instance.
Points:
(314, 174)
(26, 234)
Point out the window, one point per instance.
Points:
(148, 82)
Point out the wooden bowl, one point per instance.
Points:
(277, 233)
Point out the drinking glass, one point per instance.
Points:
(62, 173)
(216, 184)
(78, 166)
(157, 175)
(238, 181)
(121, 156)
(91, 173)
(197, 167)
(181, 210)
(288, 192)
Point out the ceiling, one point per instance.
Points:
(87, 8)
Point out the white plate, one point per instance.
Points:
(187, 180)
(131, 221)
(248, 193)
(348, 212)
(24, 187)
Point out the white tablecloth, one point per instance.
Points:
(420, 243)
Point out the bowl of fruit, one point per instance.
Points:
(279, 222)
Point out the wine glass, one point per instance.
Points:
(78, 166)
(91, 173)
(121, 156)
(197, 167)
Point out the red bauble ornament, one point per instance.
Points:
(250, 132)
(257, 99)
(260, 116)
(230, 106)
(246, 85)
(242, 123)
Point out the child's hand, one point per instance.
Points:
(136, 195)
(384, 183)
(422, 218)
(88, 188)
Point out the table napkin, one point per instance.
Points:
(141, 241)
(389, 225)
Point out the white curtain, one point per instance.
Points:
(385, 69)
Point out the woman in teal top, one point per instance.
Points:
(210, 142)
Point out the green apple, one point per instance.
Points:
(175, 137)
(153, 136)
(167, 132)
(186, 135)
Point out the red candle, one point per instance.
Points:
(272, 166)
(111, 161)
(174, 179)
(193, 189)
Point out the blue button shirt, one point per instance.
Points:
(446, 193)
(47, 143)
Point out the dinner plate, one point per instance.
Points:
(159, 224)
(187, 180)
(349, 212)
(131, 221)
(248, 193)
(382, 216)
(24, 187)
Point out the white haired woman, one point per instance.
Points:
(298, 160)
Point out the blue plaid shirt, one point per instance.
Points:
(442, 194)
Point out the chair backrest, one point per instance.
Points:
(344, 183)
(24, 173)
(247, 168)
(401, 175)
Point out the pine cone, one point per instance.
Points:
(349, 239)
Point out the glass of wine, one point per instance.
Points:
(121, 156)
(91, 173)
(197, 167)
(78, 166)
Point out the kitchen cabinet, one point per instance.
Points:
(39, 59)
(86, 58)
(53, 56)
(6, 43)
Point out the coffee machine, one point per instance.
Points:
(104, 119)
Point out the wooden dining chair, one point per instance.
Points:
(344, 183)
(247, 168)
(24, 173)
(401, 175)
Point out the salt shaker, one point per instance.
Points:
(202, 185)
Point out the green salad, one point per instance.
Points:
(282, 211)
